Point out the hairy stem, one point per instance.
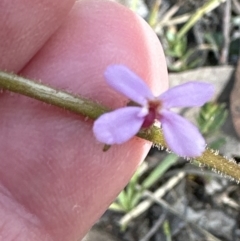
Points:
(62, 99)
(93, 110)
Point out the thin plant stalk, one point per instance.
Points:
(206, 8)
(93, 110)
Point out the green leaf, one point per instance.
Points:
(215, 145)
(211, 117)
(123, 200)
(135, 199)
(162, 167)
(116, 207)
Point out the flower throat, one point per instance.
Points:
(154, 107)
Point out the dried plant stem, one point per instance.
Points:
(206, 8)
(145, 204)
(169, 208)
(156, 226)
(93, 110)
(226, 32)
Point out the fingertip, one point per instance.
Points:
(25, 26)
(97, 34)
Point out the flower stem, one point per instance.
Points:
(210, 158)
(62, 99)
(93, 110)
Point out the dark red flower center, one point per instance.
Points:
(154, 107)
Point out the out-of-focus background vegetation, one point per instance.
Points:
(169, 198)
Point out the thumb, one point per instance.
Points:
(66, 180)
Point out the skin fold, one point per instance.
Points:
(55, 180)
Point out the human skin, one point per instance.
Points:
(55, 180)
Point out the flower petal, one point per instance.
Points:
(188, 94)
(182, 137)
(123, 80)
(118, 126)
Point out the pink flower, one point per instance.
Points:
(120, 125)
